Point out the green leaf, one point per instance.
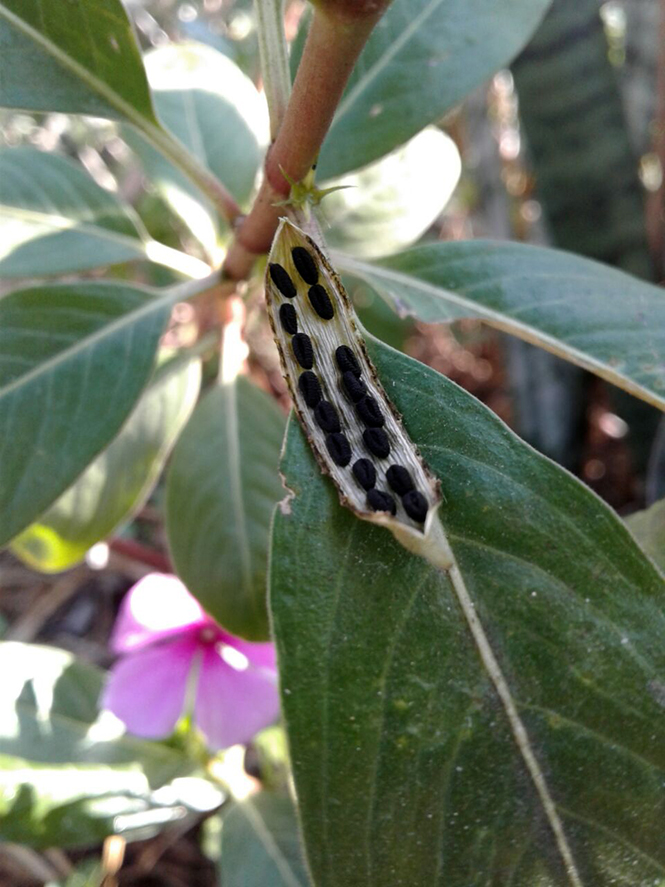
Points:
(407, 768)
(423, 57)
(68, 774)
(222, 486)
(75, 358)
(88, 873)
(120, 479)
(271, 756)
(597, 317)
(78, 57)
(584, 159)
(648, 527)
(391, 203)
(54, 219)
(206, 101)
(260, 844)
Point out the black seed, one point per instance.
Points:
(365, 473)
(289, 318)
(302, 348)
(379, 501)
(339, 448)
(305, 264)
(355, 387)
(321, 302)
(369, 412)
(376, 441)
(310, 388)
(415, 505)
(347, 361)
(399, 479)
(326, 415)
(282, 281)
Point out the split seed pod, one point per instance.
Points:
(355, 432)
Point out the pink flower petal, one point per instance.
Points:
(232, 705)
(157, 607)
(146, 689)
(259, 655)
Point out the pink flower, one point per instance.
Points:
(169, 648)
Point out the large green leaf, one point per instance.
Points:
(423, 57)
(206, 101)
(222, 486)
(595, 316)
(648, 527)
(410, 769)
(75, 358)
(78, 57)
(120, 479)
(585, 166)
(586, 180)
(260, 844)
(69, 775)
(391, 203)
(54, 219)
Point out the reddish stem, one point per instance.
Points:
(331, 51)
(137, 552)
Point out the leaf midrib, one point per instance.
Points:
(79, 70)
(128, 319)
(64, 224)
(505, 322)
(263, 833)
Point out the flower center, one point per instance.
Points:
(207, 635)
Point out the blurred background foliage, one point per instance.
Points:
(561, 149)
(564, 148)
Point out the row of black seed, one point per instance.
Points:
(376, 439)
(400, 480)
(377, 443)
(318, 297)
(324, 412)
(367, 408)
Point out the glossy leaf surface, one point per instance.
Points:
(423, 57)
(406, 767)
(75, 359)
(595, 316)
(120, 479)
(54, 219)
(648, 527)
(78, 57)
(391, 203)
(222, 486)
(207, 103)
(260, 844)
(68, 775)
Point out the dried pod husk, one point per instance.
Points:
(355, 431)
